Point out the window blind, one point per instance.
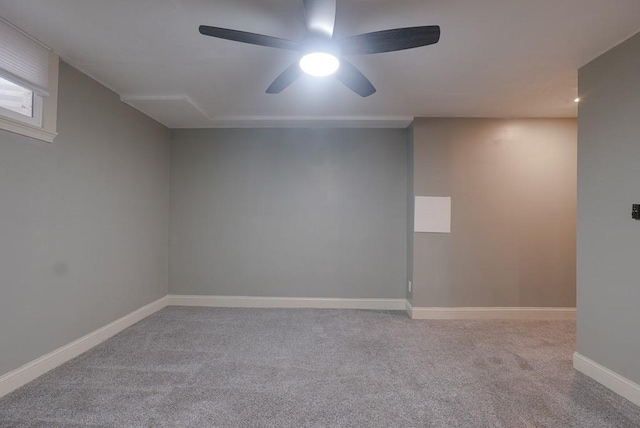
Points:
(23, 60)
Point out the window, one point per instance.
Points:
(19, 103)
(28, 84)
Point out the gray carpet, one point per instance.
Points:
(203, 367)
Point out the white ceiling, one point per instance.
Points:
(496, 58)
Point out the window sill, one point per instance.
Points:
(26, 130)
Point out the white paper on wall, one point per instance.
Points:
(432, 214)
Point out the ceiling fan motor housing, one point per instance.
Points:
(314, 44)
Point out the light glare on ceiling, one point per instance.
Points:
(319, 64)
(577, 100)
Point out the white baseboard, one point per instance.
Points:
(408, 308)
(419, 313)
(612, 380)
(36, 368)
(285, 302)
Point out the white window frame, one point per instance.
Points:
(42, 126)
(36, 116)
(43, 123)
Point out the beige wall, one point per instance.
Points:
(83, 222)
(608, 185)
(513, 189)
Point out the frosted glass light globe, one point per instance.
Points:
(319, 64)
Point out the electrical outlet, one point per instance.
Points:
(635, 212)
(409, 286)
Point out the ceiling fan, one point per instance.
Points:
(321, 55)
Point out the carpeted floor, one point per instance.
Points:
(204, 367)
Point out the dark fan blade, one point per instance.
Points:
(390, 40)
(353, 79)
(251, 38)
(320, 16)
(285, 79)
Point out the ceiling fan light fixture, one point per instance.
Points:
(320, 54)
(319, 64)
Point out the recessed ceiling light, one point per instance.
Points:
(319, 64)
(577, 100)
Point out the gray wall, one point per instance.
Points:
(289, 212)
(410, 212)
(83, 222)
(513, 189)
(608, 184)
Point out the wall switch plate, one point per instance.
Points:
(635, 212)
(409, 286)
